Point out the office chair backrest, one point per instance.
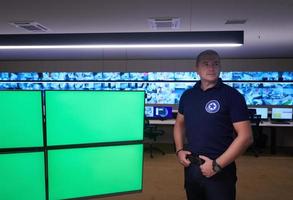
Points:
(152, 132)
(251, 111)
(255, 119)
(256, 131)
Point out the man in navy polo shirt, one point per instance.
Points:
(213, 117)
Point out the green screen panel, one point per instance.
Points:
(21, 119)
(79, 117)
(22, 176)
(95, 171)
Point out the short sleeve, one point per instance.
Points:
(181, 103)
(238, 107)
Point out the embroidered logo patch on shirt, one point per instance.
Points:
(212, 106)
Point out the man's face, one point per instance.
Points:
(209, 68)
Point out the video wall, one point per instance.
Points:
(258, 88)
(70, 144)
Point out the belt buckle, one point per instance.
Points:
(195, 159)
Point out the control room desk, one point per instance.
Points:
(268, 124)
(273, 138)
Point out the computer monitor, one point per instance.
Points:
(158, 112)
(282, 113)
(87, 172)
(93, 116)
(149, 111)
(21, 119)
(263, 112)
(251, 111)
(164, 112)
(22, 176)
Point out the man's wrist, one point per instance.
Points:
(216, 167)
(177, 152)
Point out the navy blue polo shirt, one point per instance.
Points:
(209, 116)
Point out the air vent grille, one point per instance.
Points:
(236, 21)
(30, 26)
(164, 23)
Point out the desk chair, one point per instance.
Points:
(152, 132)
(256, 132)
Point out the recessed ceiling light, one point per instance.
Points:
(30, 26)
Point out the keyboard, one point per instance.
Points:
(280, 122)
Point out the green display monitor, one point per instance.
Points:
(80, 117)
(21, 119)
(22, 176)
(84, 172)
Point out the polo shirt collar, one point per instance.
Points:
(218, 85)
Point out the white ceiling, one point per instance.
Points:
(268, 32)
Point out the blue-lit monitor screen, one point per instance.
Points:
(263, 112)
(149, 111)
(266, 93)
(265, 88)
(282, 113)
(158, 112)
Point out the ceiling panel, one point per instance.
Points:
(268, 31)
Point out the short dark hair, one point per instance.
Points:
(206, 53)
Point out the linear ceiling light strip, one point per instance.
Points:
(120, 46)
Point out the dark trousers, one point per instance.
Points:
(221, 186)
